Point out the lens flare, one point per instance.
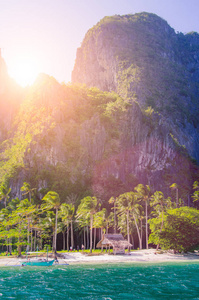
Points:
(24, 70)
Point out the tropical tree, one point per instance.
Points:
(113, 201)
(52, 201)
(63, 214)
(128, 203)
(4, 225)
(83, 221)
(195, 195)
(102, 220)
(61, 227)
(18, 224)
(26, 189)
(47, 227)
(174, 186)
(28, 209)
(88, 207)
(180, 230)
(4, 193)
(160, 204)
(70, 214)
(144, 193)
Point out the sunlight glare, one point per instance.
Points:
(24, 71)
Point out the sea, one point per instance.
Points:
(104, 281)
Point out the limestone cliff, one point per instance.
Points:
(142, 128)
(142, 58)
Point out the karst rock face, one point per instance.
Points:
(146, 62)
(133, 120)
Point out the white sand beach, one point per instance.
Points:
(150, 256)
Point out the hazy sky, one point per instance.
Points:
(46, 33)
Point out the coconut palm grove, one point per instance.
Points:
(142, 217)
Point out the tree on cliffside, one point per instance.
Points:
(4, 193)
(196, 192)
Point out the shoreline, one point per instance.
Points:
(137, 256)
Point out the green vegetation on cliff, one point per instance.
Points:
(57, 134)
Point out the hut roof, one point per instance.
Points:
(113, 240)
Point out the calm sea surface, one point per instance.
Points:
(121, 281)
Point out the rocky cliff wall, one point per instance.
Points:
(74, 139)
(143, 59)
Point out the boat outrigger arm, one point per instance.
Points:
(37, 261)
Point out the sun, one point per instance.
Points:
(24, 70)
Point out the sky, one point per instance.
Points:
(42, 36)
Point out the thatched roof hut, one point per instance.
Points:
(115, 241)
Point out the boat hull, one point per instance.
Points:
(37, 263)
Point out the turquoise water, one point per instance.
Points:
(122, 281)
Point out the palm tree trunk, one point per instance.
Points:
(64, 240)
(67, 236)
(114, 218)
(10, 245)
(19, 242)
(94, 238)
(147, 245)
(128, 235)
(107, 229)
(177, 202)
(53, 243)
(71, 229)
(19, 246)
(55, 240)
(35, 240)
(101, 238)
(138, 232)
(31, 237)
(132, 240)
(91, 233)
(87, 238)
(28, 236)
(141, 231)
(84, 238)
(158, 245)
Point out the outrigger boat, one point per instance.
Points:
(37, 261)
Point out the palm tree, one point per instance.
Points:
(144, 193)
(100, 220)
(47, 226)
(174, 186)
(88, 206)
(62, 228)
(195, 195)
(28, 212)
(113, 200)
(71, 212)
(65, 221)
(126, 203)
(4, 192)
(159, 202)
(5, 226)
(52, 201)
(19, 222)
(83, 222)
(26, 189)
